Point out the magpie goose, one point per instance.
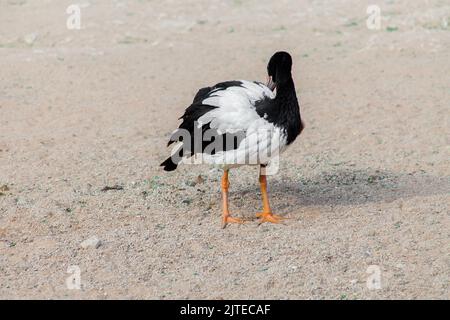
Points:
(241, 123)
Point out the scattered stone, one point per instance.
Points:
(92, 242)
(30, 39)
(187, 201)
(4, 188)
(399, 266)
(210, 205)
(200, 179)
(108, 188)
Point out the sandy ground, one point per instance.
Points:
(367, 183)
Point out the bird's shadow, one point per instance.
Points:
(346, 187)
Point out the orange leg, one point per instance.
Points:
(266, 215)
(226, 218)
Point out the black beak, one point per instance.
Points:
(270, 84)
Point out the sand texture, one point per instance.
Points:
(366, 184)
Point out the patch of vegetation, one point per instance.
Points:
(351, 24)
(391, 29)
(131, 40)
(279, 28)
(155, 182)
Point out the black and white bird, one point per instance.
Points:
(238, 123)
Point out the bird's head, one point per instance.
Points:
(279, 69)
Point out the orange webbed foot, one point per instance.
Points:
(230, 219)
(269, 217)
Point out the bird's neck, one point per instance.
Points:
(286, 96)
(289, 110)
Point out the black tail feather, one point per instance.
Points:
(169, 165)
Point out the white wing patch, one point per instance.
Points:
(235, 107)
(236, 112)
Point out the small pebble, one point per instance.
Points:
(92, 242)
(30, 38)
